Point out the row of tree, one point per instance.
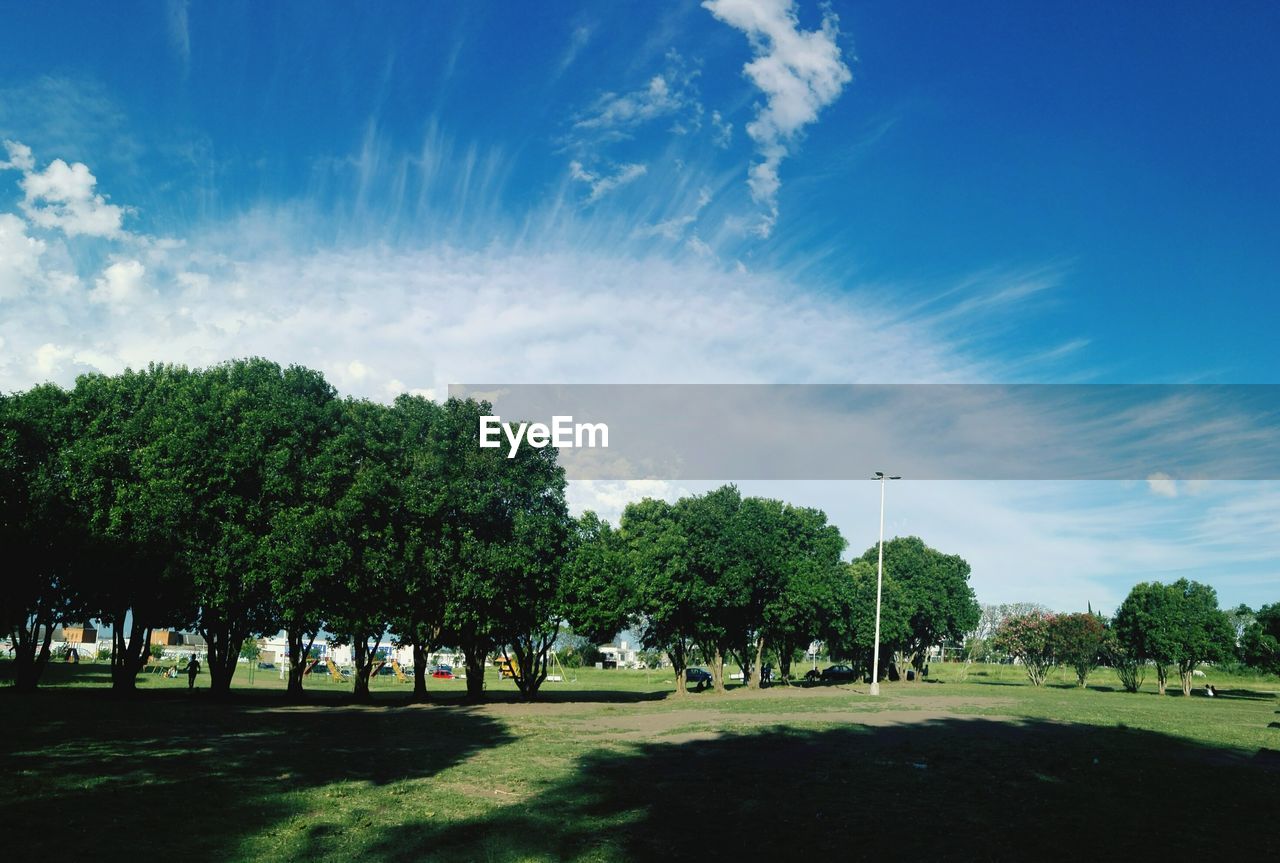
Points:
(246, 499)
(1172, 628)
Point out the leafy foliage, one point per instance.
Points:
(1030, 638)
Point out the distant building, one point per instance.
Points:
(621, 655)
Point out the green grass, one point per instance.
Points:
(614, 767)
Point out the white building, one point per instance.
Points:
(621, 655)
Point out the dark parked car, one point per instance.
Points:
(699, 676)
(837, 674)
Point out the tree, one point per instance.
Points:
(136, 582)
(935, 591)
(43, 539)
(668, 600)
(599, 591)
(227, 458)
(849, 629)
(793, 577)
(1078, 639)
(427, 522)
(367, 534)
(1029, 638)
(719, 577)
(510, 527)
(1124, 660)
(1260, 643)
(1175, 626)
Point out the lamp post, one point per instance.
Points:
(875, 656)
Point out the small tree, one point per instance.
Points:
(1128, 665)
(250, 649)
(1029, 638)
(1260, 642)
(1078, 640)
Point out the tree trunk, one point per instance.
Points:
(474, 660)
(361, 679)
(364, 658)
(717, 671)
(419, 673)
(784, 666)
(128, 653)
(31, 653)
(531, 663)
(222, 646)
(679, 664)
(757, 669)
(1186, 673)
(299, 659)
(1162, 677)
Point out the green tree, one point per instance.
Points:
(1030, 638)
(227, 458)
(136, 582)
(792, 560)
(510, 537)
(1175, 626)
(600, 598)
(720, 578)
(1260, 643)
(44, 540)
(668, 600)
(935, 592)
(427, 529)
(367, 534)
(1079, 639)
(849, 628)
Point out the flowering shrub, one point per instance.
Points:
(1029, 638)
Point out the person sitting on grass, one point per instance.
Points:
(1210, 691)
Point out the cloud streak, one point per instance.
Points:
(799, 72)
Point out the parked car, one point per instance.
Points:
(443, 672)
(837, 674)
(699, 676)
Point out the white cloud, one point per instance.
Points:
(120, 285)
(1162, 484)
(799, 72)
(602, 184)
(721, 131)
(19, 157)
(49, 359)
(19, 257)
(608, 498)
(62, 196)
(615, 115)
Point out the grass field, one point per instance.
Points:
(613, 766)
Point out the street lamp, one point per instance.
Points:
(875, 656)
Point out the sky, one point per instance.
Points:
(406, 196)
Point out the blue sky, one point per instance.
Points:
(737, 191)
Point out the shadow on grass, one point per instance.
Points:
(163, 774)
(945, 789)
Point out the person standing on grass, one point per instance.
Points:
(193, 668)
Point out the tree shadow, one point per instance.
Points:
(1249, 694)
(943, 789)
(134, 774)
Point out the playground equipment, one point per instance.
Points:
(400, 675)
(311, 666)
(507, 668)
(333, 670)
